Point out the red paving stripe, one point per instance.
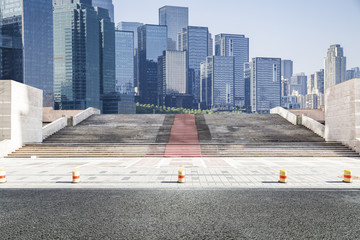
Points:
(183, 131)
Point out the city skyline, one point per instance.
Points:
(296, 37)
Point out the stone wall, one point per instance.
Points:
(51, 115)
(20, 112)
(342, 112)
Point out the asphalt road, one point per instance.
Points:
(179, 214)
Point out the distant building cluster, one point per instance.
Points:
(78, 56)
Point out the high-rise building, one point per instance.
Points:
(335, 66)
(218, 82)
(124, 64)
(107, 4)
(286, 69)
(298, 83)
(175, 18)
(84, 54)
(194, 40)
(310, 83)
(236, 46)
(152, 44)
(247, 78)
(26, 44)
(353, 73)
(265, 84)
(171, 74)
(319, 81)
(132, 27)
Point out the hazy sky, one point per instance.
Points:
(300, 30)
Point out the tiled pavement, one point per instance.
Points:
(162, 172)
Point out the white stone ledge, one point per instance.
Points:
(54, 127)
(8, 146)
(78, 118)
(313, 125)
(285, 114)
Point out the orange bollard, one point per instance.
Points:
(181, 178)
(347, 176)
(76, 176)
(2, 176)
(283, 176)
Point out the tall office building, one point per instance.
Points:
(106, 4)
(310, 83)
(298, 83)
(84, 54)
(286, 69)
(335, 66)
(175, 18)
(218, 82)
(26, 44)
(171, 75)
(132, 27)
(194, 40)
(124, 64)
(247, 78)
(353, 73)
(319, 81)
(265, 84)
(236, 46)
(152, 44)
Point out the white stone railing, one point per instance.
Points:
(78, 118)
(285, 114)
(313, 125)
(54, 127)
(7, 147)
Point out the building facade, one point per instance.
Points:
(353, 73)
(26, 44)
(152, 43)
(172, 74)
(106, 4)
(194, 40)
(298, 83)
(84, 54)
(335, 66)
(319, 81)
(217, 85)
(175, 18)
(265, 84)
(236, 46)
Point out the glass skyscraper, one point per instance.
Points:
(26, 44)
(335, 66)
(124, 55)
(194, 40)
(132, 27)
(84, 54)
(298, 83)
(265, 84)
(217, 87)
(175, 18)
(236, 46)
(107, 4)
(152, 43)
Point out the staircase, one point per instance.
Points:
(125, 136)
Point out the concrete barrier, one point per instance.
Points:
(78, 118)
(54, 127)
(285, 114)
(313, 125)
(8, 146)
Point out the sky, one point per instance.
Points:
(300, 30)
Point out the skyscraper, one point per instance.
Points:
(265, 84)
(319, 80)
(247, 77)
(218, 82)
(124, 55)
(132, 27)
(236, 46)
(194, 40)
(298, 83)
(286, 69)
(172, 74)
(335, 66)
(107, 4)
(175, 18)
(26, 44)
(84, 54)
(152, 44)
(353, 73)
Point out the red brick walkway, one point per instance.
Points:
(184, 140)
